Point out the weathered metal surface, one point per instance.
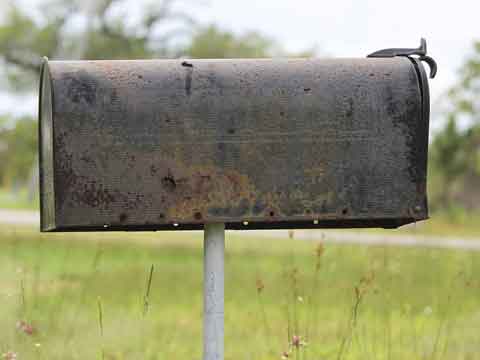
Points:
(174, 144)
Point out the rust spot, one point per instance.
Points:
(208, 190)
(169, 183)
(188, 77)
(66, 177)
(82, 88)
(188, 83)
(87, 159)
(93, 195)
(349, 110)
(153, 170)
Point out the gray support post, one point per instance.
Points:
(213, 257)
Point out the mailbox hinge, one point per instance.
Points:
(421, 51)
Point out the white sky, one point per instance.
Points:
(344, 28)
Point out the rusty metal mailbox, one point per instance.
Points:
(287, 143)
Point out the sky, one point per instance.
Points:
(356, 28)
(341, 28)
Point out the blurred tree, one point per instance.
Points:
(108, 32)
(3, 147)
(213, 43)
(18, 148)
(455, 151)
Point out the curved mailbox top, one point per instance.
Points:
(174, 144)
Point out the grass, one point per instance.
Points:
(97, 296)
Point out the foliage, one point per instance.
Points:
(213, 43)
(26, 37)
(282, 296)
(18, 148)
(455, 152)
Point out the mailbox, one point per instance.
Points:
(254, 144)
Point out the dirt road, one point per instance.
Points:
(32, 218)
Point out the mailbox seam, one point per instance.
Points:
(425, 94)
(43, 221)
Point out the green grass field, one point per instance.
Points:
(346, 302)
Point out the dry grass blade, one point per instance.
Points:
(146, 298)
(100, 324)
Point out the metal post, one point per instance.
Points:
(213, 306)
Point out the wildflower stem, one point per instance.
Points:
(23, 297)
(146, 299)
(260, 288)
(100, 323)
